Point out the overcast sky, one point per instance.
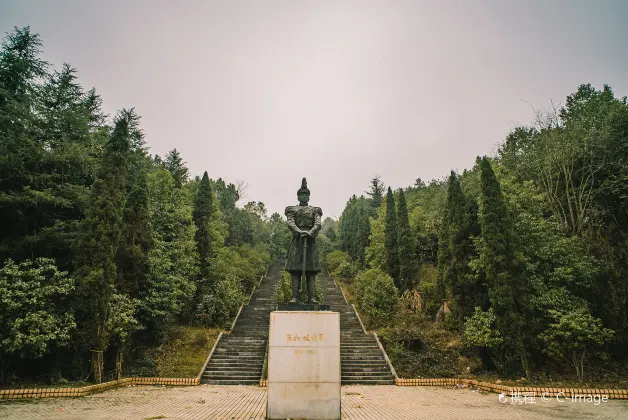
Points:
(337, 91)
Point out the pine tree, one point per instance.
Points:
(391, 243)
(506, 288)
(98, 242)
(376, 192)
(50, 139)
(203, 210)
(177, 167)
(408, 264)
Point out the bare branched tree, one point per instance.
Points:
(241, 187)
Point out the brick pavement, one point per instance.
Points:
(359, 402)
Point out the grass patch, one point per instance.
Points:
(185, 351)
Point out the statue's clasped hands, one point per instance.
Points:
(305, 234)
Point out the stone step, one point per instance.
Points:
(376, 354)
(232, 381)
(250, 374)
(357, 370)
(364, 362)
(238, 348)
(237, 357)
(240, 355)
(234, 366)
(359, 346)
(235, 375)
(367, 382)
(369, 357)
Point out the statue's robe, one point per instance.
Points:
(306, 218)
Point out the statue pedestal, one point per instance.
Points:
(304, 365)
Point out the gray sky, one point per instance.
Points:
(337, 91)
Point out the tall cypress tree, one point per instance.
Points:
(443, 255)
(391, 243)
(408, 264)
(203, 209)
(506, 288)
(355, 227)
(363, 228)
(97, 244)
(461, 286)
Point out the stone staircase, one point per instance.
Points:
(239, 356)
(361, 360)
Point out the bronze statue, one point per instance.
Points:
(305, 222)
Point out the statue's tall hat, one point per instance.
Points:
(303, 188)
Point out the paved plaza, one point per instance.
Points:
(249, 402)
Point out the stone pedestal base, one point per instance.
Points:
(304, 365)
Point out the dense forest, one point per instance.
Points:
(516, 266)
(105, 247)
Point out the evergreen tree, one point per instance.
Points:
(173, 264)
(136, 242)
(98, 242)
(461, 285)
(363, 232)
(177, 167)
(203, 210)
(391, 243)
(355, 228)
(443, 255)
(408, 264)
(506, 289)
(376, 250)
(50, 142)
(376, 191)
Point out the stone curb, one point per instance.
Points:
(513, 390)
(7, 394)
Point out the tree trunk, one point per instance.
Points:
(119, 357)
(97, 365)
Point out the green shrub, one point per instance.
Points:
(334, 259)
(377, 297)
(33, 309)
(221, 305)
(347, 270)
(575, 336)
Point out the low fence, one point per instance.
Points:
(7, 394)
(517, 390)
(485, 386)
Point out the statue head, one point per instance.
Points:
(304, 193)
